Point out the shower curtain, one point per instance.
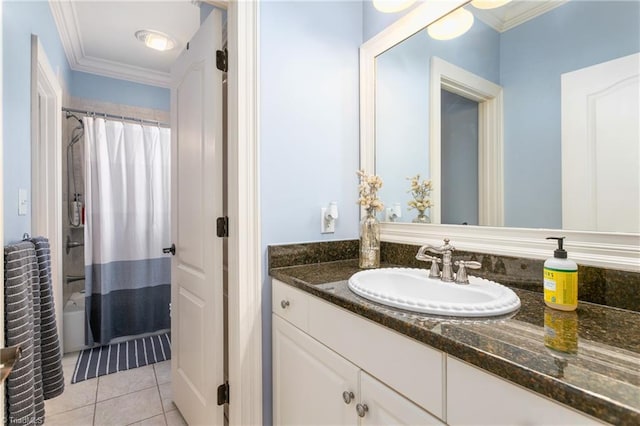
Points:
(127, 206)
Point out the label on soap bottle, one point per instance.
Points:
(560, 287)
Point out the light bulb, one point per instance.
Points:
(155, 40)
(392, 6)
(452, 25)
(488, 4)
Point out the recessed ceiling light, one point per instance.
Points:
(156, 40)
(452, 25)
(392, 6)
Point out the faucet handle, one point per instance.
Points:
(434, 272)
(461, 275)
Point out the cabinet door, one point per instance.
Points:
(309, 380)
(387, 407)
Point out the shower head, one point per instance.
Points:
(72, 115)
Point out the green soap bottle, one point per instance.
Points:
(560, 280)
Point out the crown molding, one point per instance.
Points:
(122, 71)
(66, 20)
(515, 13)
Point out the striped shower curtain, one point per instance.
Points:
(127, 203)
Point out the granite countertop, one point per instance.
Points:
(591, 363)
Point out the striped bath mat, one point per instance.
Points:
(116, 357)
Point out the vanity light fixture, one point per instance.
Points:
(392, 6)
(452, 25)
(156, 40)
(488, 4)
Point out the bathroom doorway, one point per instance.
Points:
(453, 80)
(459, 159)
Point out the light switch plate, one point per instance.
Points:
(22, 202)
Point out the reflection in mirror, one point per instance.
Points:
(566, 74)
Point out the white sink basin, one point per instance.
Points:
(413, 290)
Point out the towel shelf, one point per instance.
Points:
(9, 357)
(72, 278)
(71, 244)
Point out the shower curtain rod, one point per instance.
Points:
(117, 117)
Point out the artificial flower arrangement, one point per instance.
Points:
(368, 189)
(369, 226)
(420, 192)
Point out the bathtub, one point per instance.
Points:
(73, 323)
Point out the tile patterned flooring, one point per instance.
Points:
(141, 396)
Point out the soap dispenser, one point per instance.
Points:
(560, 280)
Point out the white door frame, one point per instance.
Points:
(245, 258)
(2, 203)
(452, 78)
(46, 162)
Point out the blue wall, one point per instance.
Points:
(309, 129)
(105, 89)
(20, 20)
(534, 54)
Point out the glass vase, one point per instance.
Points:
(422, 217)
(369, 241)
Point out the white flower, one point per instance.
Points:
(420, 192)
(368, 190)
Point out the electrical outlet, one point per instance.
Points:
(326, 226)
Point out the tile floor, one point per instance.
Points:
(141, 396)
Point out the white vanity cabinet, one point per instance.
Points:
(309, 380)
(475, 397)
(322, 354)
(315, 382)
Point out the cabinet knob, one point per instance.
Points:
(284, 304)
(347, 397)
(362, 409)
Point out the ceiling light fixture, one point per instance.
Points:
(156, 40)
(452, 25)
(392, 6)
(488, 4)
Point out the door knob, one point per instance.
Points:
(347, 397)
(362, 409)
(284, 303)
(171, 250)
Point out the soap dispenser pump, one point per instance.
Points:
(560, 280)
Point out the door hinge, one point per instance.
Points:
(222, 227)
(222, 60)
(223, 393)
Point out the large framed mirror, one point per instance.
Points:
(527, 126)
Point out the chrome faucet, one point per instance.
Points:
(447, 275)
(447, 266)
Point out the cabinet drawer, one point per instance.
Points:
(409, 367)
(290, 303)
(478, 398)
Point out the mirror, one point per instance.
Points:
(530, 119)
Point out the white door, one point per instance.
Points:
(387, 407)
(309, 380)
(196, 202)
(601, 147)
